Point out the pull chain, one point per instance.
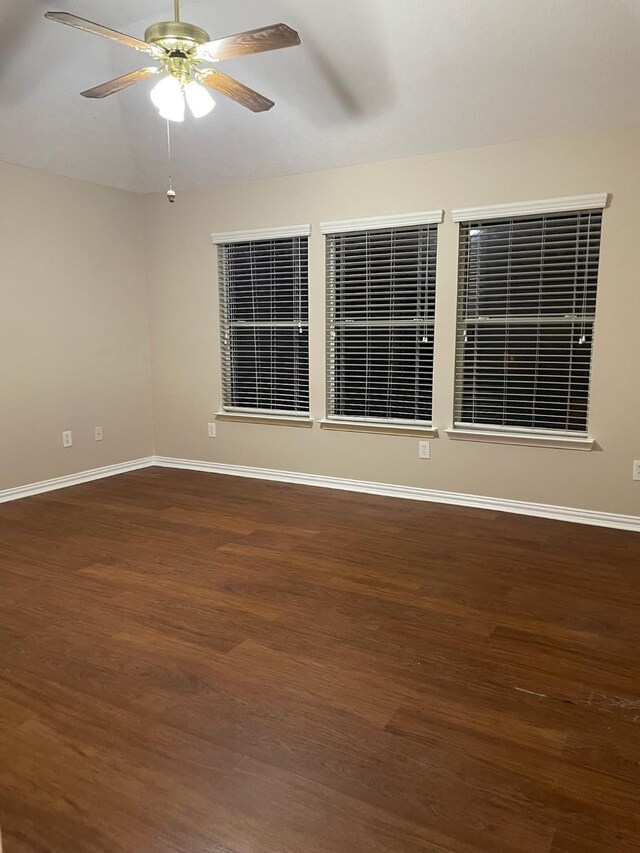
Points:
(171, 196)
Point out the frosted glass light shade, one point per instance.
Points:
(200, 101)
(168, 97)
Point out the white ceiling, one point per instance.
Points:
(372, 80)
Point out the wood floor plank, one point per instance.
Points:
(194, 663)
(293, 814)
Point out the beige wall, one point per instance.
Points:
(75, 317)
(184, 320)
(74, 348)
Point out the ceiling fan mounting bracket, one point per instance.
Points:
(176, 35)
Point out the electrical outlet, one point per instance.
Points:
(98, 433)
(212, 431)
(636, 469)
(67, 439)
(424, 451)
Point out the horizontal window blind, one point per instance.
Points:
(380, 323)
(526, 311)
(265, 329)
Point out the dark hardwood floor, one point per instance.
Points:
(210, 664)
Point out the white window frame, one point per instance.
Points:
(509, 434)
(365, 424)
(246, 414)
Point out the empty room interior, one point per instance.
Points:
(320, 431)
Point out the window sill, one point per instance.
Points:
(534, 440)
(379, 428)
(272, 420)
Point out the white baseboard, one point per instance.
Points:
(558, 513)
(74, 479)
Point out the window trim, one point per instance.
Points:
(373, 223)
(263, 417)
(592, 201)
(533, 439)
(231, 413)
(278, 233)
(509, 434)
(376, 425)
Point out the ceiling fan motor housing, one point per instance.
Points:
(176, 35)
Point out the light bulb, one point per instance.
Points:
(200, 101)
(168, 98)
(174, 111)
(164, 91)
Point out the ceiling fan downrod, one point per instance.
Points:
(176, 9)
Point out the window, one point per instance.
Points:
(527, 301)
(381, 309)
(265, 329)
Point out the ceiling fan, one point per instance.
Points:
(181, 49)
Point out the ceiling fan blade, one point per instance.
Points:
(120, 83)
(99, 30)
(236, 91)
(273, 37)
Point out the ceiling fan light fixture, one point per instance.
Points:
(168, 97)
(199, 100)
(180, 49)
